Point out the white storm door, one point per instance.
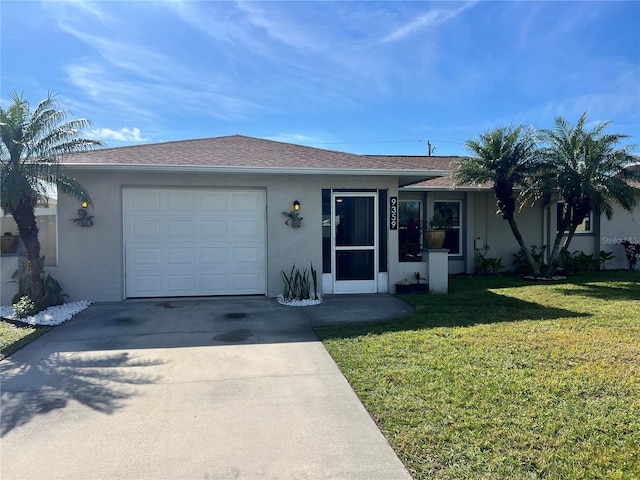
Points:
(355, 242)
(194, 242)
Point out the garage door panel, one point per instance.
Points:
(181, 256)
(181, 242)
(145, 256)
(245, 282)
(180, 202)
(218, 284)
(147, 285)
(213, 230)
(145, 230)
(213, 202)
(246, 256)
(143, 201)
(180, 228)
(180, 284)
(214, 255)
(245, 230)
(246, 203)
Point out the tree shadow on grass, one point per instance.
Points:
(100, 382)
(459, 310)
(629, 291)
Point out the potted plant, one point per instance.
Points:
(9, 243)
(418, 286)
(435, 233)
(294, 218)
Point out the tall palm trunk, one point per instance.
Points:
(523, 246)
(506, 204)
(25, 218)
(555, 252)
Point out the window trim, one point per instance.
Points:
(588, 218)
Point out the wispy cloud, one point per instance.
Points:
(123, 135)
(302, 138)
(427, 20)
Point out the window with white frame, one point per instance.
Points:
(584, 227)
(452, 211)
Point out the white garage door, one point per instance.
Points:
(189, 242)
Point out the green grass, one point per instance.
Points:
(506, 379)
(13, 338)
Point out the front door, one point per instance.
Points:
(355, 242)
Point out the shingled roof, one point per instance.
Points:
(238, 151)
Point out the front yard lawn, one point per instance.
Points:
(505, 378)
(13, 337)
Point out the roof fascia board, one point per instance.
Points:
(409, 188)
(257, 170)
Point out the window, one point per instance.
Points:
(410, 230)
(584, 227)
(451, 211)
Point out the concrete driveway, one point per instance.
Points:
(229, 388)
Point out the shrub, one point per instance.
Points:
(520, 259)
(486, 265)
(297, 285)
(24, 307)
(577, 261)
(632, 251)
(53, 294)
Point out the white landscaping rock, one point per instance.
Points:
(297, 303)
(50, 317)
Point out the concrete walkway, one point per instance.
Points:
(229, 388)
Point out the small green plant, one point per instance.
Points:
(520, 259)
(438, 222)
(632, 252)
(603, 258)
(24, 307)
(577, 262)
(487, 265)
(419, 278)
(53, 294)
(297, 285)
(294, 218)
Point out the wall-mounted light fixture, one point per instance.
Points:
(84, 219)
(294, 219)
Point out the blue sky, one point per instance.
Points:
(362, 77)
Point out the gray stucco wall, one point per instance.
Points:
(622, 226)
(90, 259)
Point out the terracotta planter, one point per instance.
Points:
(434, 238)
(9, 243)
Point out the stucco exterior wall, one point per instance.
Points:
(90, 259)
(622, 226)
(495, 233)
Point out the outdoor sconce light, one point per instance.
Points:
(294, 215)
(84, 219)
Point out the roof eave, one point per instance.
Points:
(411, 188)
(419, 173)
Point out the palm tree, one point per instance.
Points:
(32, 145)
(506, 158)
(589, 170)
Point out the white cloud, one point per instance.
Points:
(318, 139)
(123, 135)
(428, 20)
